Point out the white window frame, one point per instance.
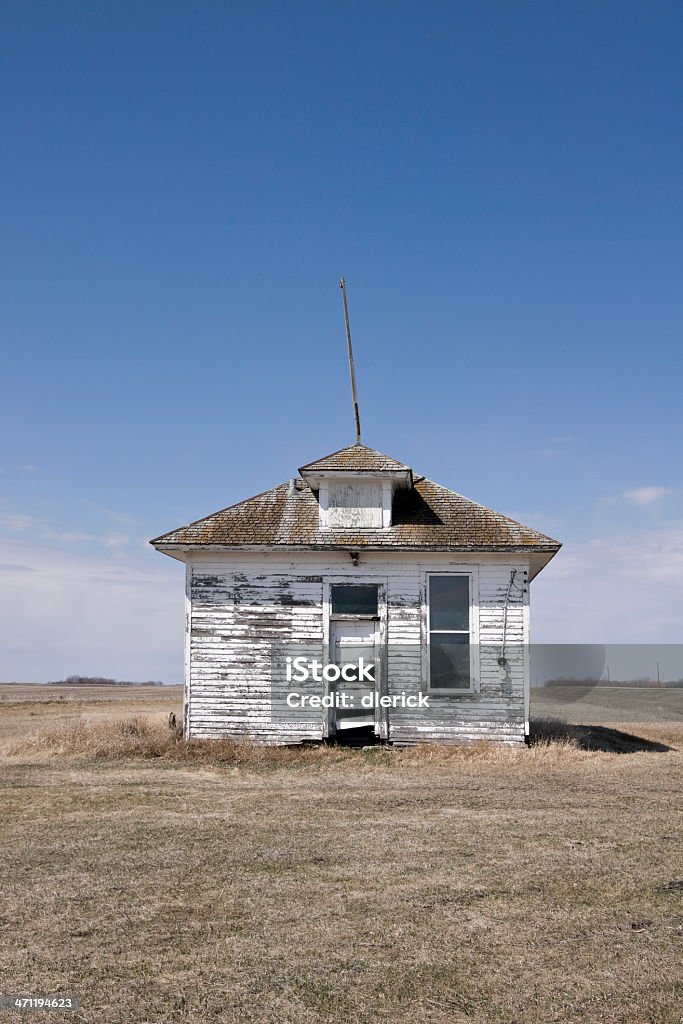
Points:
(473, 577)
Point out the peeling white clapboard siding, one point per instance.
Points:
(240, 603)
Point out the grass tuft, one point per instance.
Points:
(139, 737)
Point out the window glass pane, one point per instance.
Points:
(449, 602)
(358, 599)
(449, 661)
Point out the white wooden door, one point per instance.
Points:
(350, 640)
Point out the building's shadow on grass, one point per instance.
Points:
(593, 737)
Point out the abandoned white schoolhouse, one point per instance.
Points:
(358, 555)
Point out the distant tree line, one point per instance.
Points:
(100, 681)
(640, 683)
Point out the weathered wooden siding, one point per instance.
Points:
(239, 603)
(496, 710)
(236, 618)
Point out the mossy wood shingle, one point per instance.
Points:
(425, 516)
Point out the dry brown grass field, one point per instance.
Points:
(162, 881)
(26, 708)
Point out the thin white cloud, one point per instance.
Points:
(646, 495)
(115, 540)
(111, 540)
(17, 522)
(624, 588)
(65, 612)
(120, 518)
(68, 536)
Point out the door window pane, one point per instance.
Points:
(449, 602)
(355, 599)
(449, 661)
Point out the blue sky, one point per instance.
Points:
(183, 185)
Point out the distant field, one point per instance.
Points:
(480, 886)
(14, 692)
(607, 704)
(27, 707)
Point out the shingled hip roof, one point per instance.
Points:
(425, 516)
(357, 458)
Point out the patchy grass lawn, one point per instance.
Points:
(537, 886)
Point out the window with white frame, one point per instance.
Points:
(449, 623)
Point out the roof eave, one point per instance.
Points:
(550, 549)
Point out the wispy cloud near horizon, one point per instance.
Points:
(641, 497)
(625, 587)
(646, 495)
(66, 612)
